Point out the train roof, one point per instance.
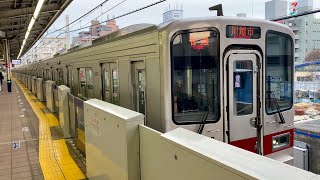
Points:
(119, 34)
(186, 23)
(191, 23)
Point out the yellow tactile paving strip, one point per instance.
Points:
(55, 160)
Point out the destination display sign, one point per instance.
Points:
(16, 61)
(243, 32)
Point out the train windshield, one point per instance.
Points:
(195, 83)
(279, 69)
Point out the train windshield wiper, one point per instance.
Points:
(282, 121)
(205, 117)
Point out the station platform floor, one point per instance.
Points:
(31, 142)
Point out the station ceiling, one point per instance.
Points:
(15, 16)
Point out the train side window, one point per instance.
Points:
(106, 85)
(89, 83)
(86, 83)
(51, 74)
(279, 72)
(47, 77)
(195, 82)
(69, 77)
(115, 87)
(82, 83)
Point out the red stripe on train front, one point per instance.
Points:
(249, 144)
(267, 141)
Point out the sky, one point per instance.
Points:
(191, 8)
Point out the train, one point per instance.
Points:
(227, 78)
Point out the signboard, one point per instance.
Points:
(16, 145)
(16, 61)
(199, 40)
(243, 32)
(293, 7)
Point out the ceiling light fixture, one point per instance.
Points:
(32, 21)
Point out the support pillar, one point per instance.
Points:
(7, 61)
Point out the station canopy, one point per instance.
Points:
(16, 15)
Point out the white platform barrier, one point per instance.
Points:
(112, 141)
(64, 110)
(24, 79)
(49, 95)
(40, 94)
(29, 82)
(119, 147)
(33, 85)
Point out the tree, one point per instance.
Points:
(313, 55)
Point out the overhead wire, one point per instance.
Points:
(78, 19)
(108, 10)
(123, 15)
(83, 16)
(117, 17)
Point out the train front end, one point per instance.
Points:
(231, 79)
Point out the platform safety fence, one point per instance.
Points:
(76, 117)
(55, 98)
(44, 90)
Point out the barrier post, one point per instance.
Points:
(112, 141)
(64, 110)
(49, 95)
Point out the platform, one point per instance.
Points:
(31, 144)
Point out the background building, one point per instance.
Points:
(83, 37)
(306, 30)
(299, 6)
(276, 8)
(46, 49)
(96, 30)
(173, 14)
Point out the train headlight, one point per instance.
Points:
(280, 141)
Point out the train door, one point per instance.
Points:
(59, 76)
(69, 78)
(138, 80)
(110, 83)
(242, 99)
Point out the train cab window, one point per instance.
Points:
(195, 82)
(86, 83)
(59, 76)
(115, 87)
(279, 72)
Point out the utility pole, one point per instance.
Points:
(67, 33)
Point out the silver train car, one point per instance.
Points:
(226, 78)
